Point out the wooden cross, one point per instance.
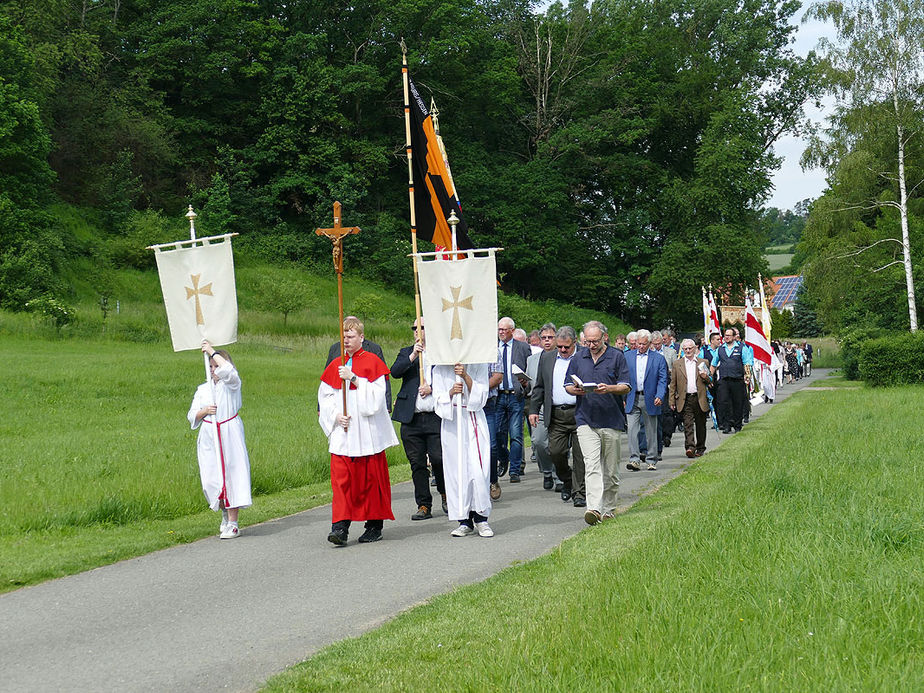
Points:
(336, 234)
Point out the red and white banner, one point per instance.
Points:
(754, 335)
(714, 325)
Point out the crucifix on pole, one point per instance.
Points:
(336, 234)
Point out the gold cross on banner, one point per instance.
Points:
(197, 291)
(456, 330)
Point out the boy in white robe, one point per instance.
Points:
(467, 479)
(225, 472)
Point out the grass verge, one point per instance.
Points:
(788, 559)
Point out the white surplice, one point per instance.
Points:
(467, 479)
(370, 430)
(236, 475)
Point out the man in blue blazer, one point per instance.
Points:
(648, 380)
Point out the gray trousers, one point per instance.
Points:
(635, 419)
(540, 443)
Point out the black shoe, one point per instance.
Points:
(738, 430)
(580, 503)
(666, 442)
(566, 493)
(514, 478)
(338, 537)
(558, 487)
(423, 513)
(547, 482)
(643, 457)
(370, 535)
(726, 431)
(502, 468)
(633, 466)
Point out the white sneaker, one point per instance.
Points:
(225, 521)
(484, 530)
(231, 531)
(223, 527)
(462, 531)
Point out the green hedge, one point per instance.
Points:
(850, 343)
(894, 360)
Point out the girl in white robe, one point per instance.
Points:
(467, 479)
(225, 473)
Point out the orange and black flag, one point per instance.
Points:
(434, 192)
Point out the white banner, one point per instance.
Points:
(459, 302)
(199, 293)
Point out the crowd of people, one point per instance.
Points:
(462, 426)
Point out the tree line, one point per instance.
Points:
(620, 152)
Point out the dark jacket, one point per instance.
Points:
(409, 372)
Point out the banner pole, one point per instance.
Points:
(453, 220)
(410, 193)
(216, 443)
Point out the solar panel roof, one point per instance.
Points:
(786, 290)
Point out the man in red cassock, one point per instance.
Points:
(358, 439)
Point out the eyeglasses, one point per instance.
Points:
(565, 348)
(547, 336)
(593, 341)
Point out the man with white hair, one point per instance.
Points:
(689, 382)
(511, 400)
(648, 380)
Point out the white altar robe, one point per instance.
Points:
(233, 447)
(467, 480)
(370, 430)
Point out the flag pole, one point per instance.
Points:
(216, 442)
(453, 220)
(410, 193)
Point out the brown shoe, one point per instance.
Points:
(592, 517)
(690, 453)
(423, 513)
(495, 491)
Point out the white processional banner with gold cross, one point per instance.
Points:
(459, 303)
(199, 292)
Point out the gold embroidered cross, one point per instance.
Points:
(456, 330)
(197, 291)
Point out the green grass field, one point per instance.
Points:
(777, 261)
(790, 559)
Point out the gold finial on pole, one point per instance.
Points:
(191, 215)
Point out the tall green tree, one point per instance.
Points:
(877, 72)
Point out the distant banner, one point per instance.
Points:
(733, 314)
(199, 293)
(459, 301)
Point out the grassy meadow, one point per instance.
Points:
(789, 559)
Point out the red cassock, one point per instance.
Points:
(360, 482)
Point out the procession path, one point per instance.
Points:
(226, 615)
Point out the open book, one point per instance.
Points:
(587, 387)
(520, 375)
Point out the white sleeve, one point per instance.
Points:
(229, 376)
(194, 408)
(370, 396)
(329, 405)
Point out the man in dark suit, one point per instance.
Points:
(372, 348)
(558, 409)
(420, 425)
(648, 380)
(511, 400)
(689, 382)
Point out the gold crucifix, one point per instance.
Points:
(197, 291)
(456, 330)
(336, 234)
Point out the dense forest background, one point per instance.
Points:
(620, 153)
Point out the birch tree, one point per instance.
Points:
(877, 59)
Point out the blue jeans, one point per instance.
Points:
(490, 413)
(509, 422)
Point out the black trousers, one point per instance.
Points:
(562, 430)
(421, 439)
(731, 398)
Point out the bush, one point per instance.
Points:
(892, 360)
(53, 309)
(851, 342)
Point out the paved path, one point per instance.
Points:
(226, 615)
